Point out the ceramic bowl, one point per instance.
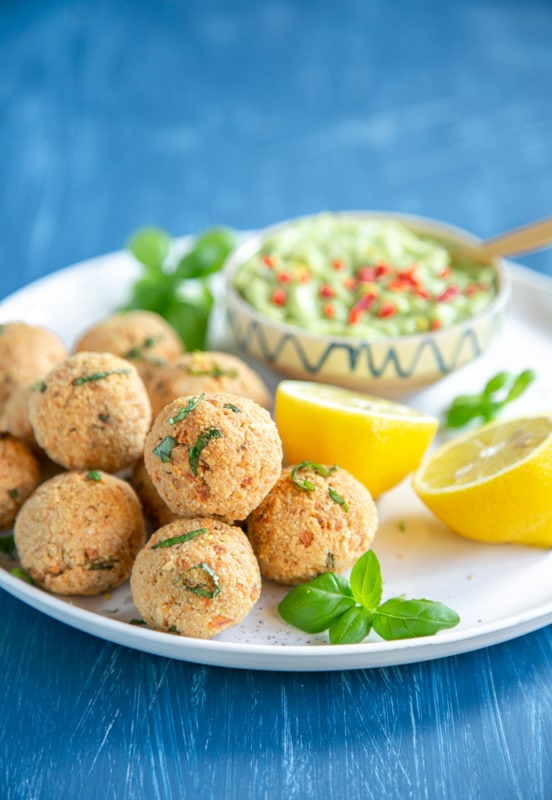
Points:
(388, 367)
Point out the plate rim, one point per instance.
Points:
(261, 656)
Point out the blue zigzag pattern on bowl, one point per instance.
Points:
(253, 330)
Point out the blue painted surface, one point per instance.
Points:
(186, 114)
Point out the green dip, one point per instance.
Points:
(371, 278)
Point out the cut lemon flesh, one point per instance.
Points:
(494, 484)
(378, 441)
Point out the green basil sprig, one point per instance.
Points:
(350, 609)
(500, 390)
(179, 291)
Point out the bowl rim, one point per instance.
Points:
(455, 234)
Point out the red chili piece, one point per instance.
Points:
(284, 277)
(338, 264)
(399, 285)
(268, 261)
(361, 305)
(326, 291)
(450, 292)
(349, 282)
(409, 276)
(279, 297)
(367, 274)
(387, 310)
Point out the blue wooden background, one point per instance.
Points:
(115, 114)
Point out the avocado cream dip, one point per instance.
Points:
(367, 278)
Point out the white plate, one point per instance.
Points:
(500, 592)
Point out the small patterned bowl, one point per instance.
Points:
(388, 367)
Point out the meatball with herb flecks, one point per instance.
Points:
(79, 533)
(195, 577)
(14, 415)
(142, 337)
(209, 372)
(19, 476)
(91, 411)
(316, 519)
(27, 352)
(215, 455)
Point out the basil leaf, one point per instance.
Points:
(337, 498)
(210, 251)
(190, 319)
(500, 390)
(496, 383)
(99, 376)
(164, 449)
(182, 538)
(195, 451)
(315, 605)
(7, 545)
(462, 411)
(209, 589)
(183, 412)
(366, 581)
(520, 384)
(303, 483)
(351, 627)
(94, 475)
(150, 292)
(489, 409)
(150, 246)
(398, 618)
(18, 572)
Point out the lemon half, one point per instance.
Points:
(378, 441)
(494, 484)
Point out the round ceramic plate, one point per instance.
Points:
(500, 592)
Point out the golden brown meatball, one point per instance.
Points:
(92, 410)
(19, 476)
(79, 533)
(142, 337)
(27, 352)
(215, 455)
(155, 509)
(316, 519)
(14, 415)
(195, 577)
(209, 372)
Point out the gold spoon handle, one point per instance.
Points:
(531, 237)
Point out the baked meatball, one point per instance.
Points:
(142, 337)
(79, 533)
(27, 352)
(215, 455)
(19, 476)
(155, 509)
(195, 577)
(316, 519)
(14, 414)
(209, 372)
(92, 410)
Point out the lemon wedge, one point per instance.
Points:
(377, 441)
(494, 484)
